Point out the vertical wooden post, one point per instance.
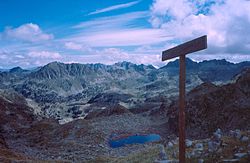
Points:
(182, 81)
(181, 51)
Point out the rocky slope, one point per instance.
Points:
(15, 115)
(26, 138)
(209, 107)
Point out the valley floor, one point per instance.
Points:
(87, 141)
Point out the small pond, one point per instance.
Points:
(134, 139)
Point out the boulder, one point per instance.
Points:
(199, 147)
(244, 139)
(163, 155)
(218, 134)
(240, 155)
(188, 143)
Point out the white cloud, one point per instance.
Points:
(105, 56)
(126, 37)
(226, 22)
(148, 49)
(115, 7)
(27, 32)
(77, 47)
(235, 58)
(140, 36)
(73, 46)
(177, 10)
(44, 55)
(114, 55)
(111, 22)
(119, 30)
(20, 56)
(3, 56)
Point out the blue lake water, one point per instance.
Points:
(134, 139)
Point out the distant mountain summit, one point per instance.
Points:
(56, 70)
(208, 70)
(175, 64)
(16, 70)
(131, 66)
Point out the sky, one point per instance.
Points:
(34, 33)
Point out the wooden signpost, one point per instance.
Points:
(181, 51)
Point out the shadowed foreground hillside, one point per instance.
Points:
(210, 107)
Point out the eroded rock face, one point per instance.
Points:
(109, 111)
(15, 116)
(210, 107)
(242, 81)
(110, 98)
(23, 137)
(3, 144)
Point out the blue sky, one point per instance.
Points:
(34, 33)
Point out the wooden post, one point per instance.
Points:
(181, 51)
(182, 81)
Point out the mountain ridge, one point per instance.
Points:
(128, 62)
(56, 87)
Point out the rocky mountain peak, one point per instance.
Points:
(53, 65)
(243, 81)
(216, 62)
(52, 70)
(175, 64)
(131, 66)
(16, 70)
(243, 75)
(202, 89)
(124, 64)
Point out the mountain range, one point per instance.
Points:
(69, 91)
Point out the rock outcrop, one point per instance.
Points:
(209, 107)
(109, 111)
